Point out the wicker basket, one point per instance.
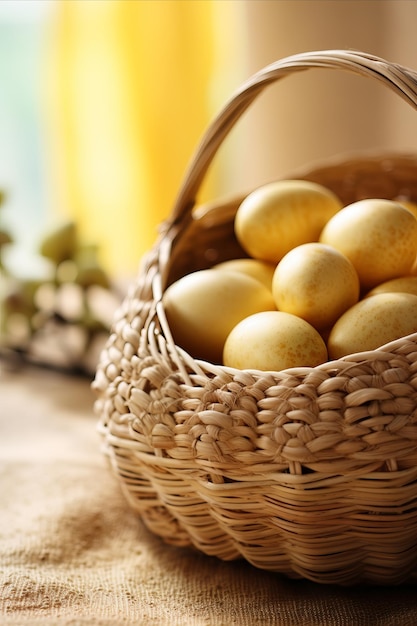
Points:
(310, 472)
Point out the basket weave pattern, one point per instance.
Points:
(310, 472)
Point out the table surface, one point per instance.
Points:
(72, 552)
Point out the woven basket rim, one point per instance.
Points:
(383, 158)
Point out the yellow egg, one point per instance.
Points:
(281, 215)
(261, 270)
(378, 236)
(372, 322)
(316, 282)
(273, 341)
(202, 308)
(410, 205)
(405, 284)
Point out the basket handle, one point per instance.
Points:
(398, 78)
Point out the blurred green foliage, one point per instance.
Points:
(64, 319)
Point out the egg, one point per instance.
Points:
(202, 307)
(281, 215)
(410, 205)
(378, 236)
(316, 282)
(372, 322)
(261, 270)
(406, 284)
(273, 341)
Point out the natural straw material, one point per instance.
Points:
(311, 472)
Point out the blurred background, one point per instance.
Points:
(104, 101)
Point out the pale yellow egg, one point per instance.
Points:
(202, 308)
(410, 205)
(261, 270)
(273, 341)
(372, 322)
(405, 284)
(316, 282)
(278, 216)
(378, 236)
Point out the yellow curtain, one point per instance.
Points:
(129, 96)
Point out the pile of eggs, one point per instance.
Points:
(322, 280)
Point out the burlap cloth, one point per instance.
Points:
(72, 552)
